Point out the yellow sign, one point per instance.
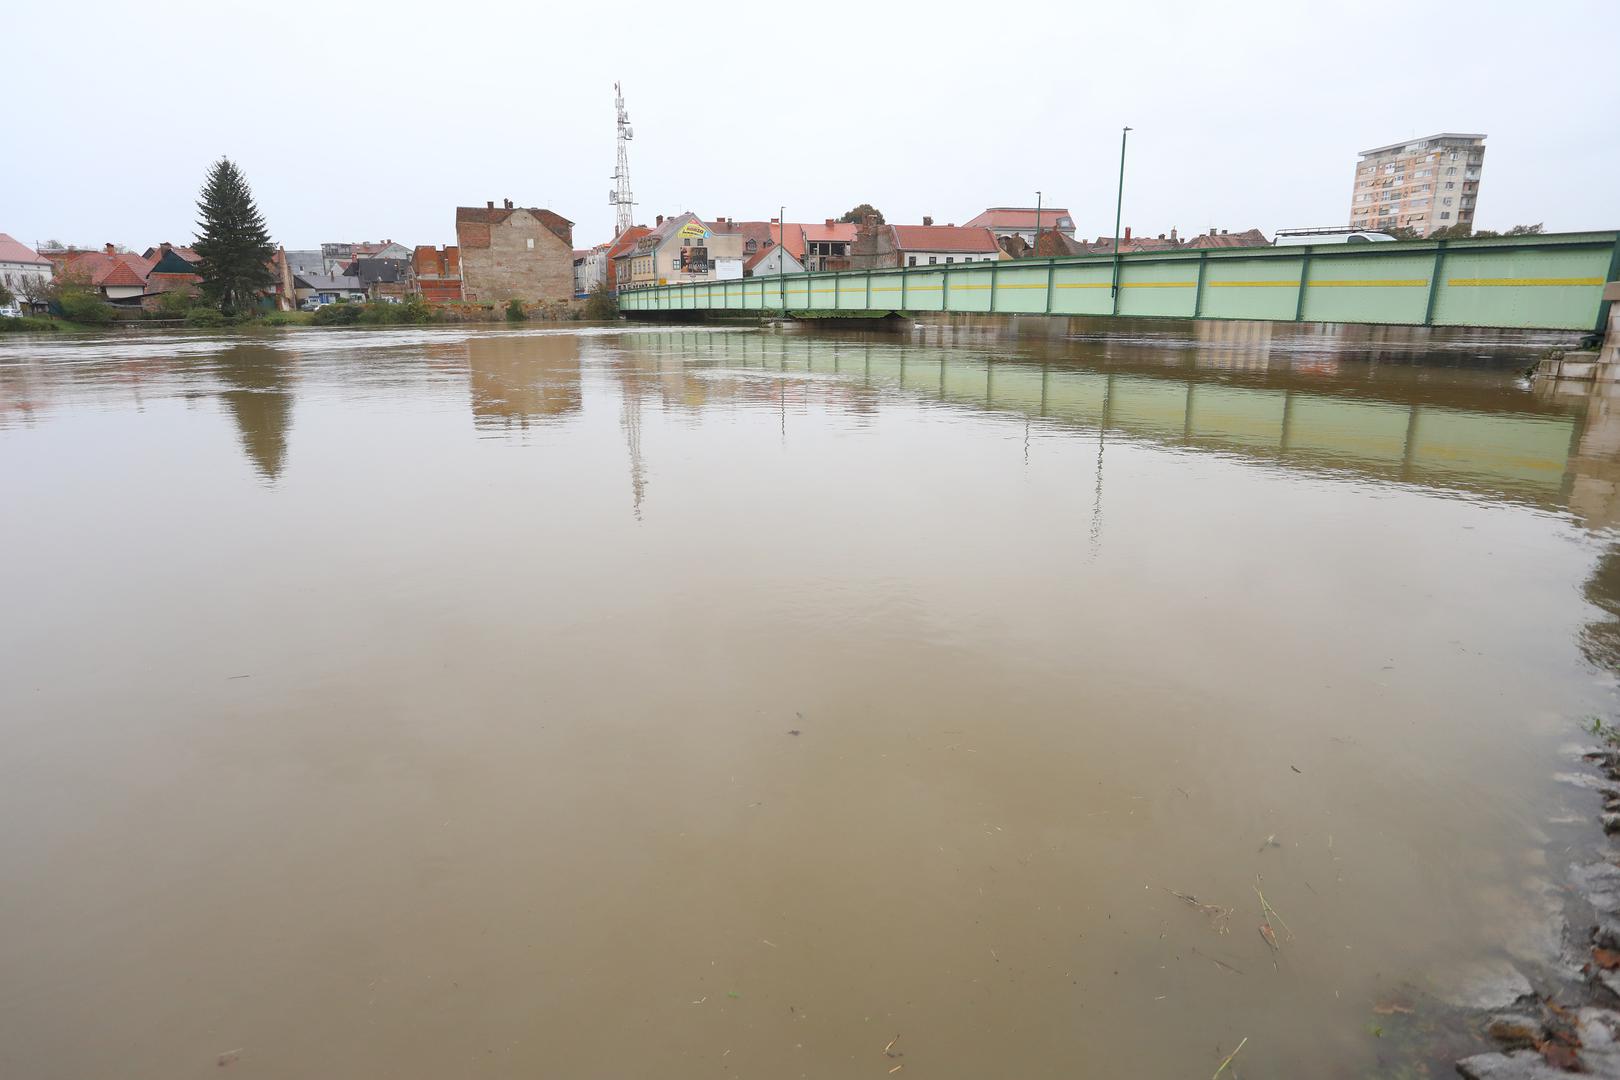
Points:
(692, 230)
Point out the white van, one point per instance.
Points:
(1286, 237)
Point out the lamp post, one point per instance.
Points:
(1119, 205)
(1036, 248)
(781, 258)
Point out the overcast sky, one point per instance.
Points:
(360, 122)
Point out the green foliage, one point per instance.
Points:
(81, 304)
(1459, 231)
(175, 304)
(28, 324)
(205, 317)
(514, 310)
(1401, 232)
(602, 305)
(6, 296)
(1525, 230)
(233, 242)
(337, 315)
(857, 214)
(287, 318)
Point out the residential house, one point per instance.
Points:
(1104, 245)
(680, 249)
(591, 268)
(171, 272)
(508, 252)
(305, 262)
(1023, 221)
(771, 261)
(328, 289)
(24, 272)
(120, 277)
(878, 246)
(438, 273)
(825, 246)
(382, 277)
(153, 254)
(622, 243)
(338, 259)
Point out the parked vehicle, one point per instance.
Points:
(1286, 237)
(314, 303)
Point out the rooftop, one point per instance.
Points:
(14, 251)
(1019, 217)
(1419, 139)
(944, 238)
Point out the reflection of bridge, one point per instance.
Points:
(1461, 435)
(1550, 282)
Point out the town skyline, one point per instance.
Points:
(1239, 134)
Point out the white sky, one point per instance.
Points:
(359, 122)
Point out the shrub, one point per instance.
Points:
(175, 304)
(286, 318)
(82, 304)
(205, 317)
(27, 324)
(337, 315)
(602, 304)
(514, 310)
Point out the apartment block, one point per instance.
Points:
(1423, 184)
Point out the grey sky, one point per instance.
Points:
(362, 122)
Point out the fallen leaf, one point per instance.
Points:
(1270, 936)
(1607, 959)
(1390, 1008)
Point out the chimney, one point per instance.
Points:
(927, 220)
(660, 220)
(1161, 236)
(165, 247)
(1223, 232)
(508, 204)
(1173, 239)
(490, 205)
(831, 222)
(1127, 232)
(775, 222)
(111, 250)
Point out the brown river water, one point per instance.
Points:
(650, 702)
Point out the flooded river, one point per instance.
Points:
(737, 703)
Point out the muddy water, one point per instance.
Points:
(729, 703)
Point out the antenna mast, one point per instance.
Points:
(620, 197)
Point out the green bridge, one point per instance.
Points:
(1550, 282)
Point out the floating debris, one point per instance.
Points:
(1218, 916)
(1229, 1058)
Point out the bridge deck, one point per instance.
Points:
(1552, 282)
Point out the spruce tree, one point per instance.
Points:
(233, 242)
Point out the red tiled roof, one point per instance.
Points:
(100, 269)
(837, 232)
(944, 238)
(13, 251)
(1019, 217)
(626, 240)
(1247, 238)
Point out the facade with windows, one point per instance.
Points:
(1424, 184)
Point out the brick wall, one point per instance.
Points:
(518, 257)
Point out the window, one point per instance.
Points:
(531, 243)
(1445, 215)
(911, 260)
(1446, 201)
(950, 258)
(1452, 171)
(932, 260)
(967, 258)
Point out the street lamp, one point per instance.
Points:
(781, 258)
(1119, 205)
(1036, 250)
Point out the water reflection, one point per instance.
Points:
(513, 381)
(260, 399)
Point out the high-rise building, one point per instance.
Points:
(1424, 184)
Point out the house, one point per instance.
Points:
(383, 276)
(1224, 239)
(622, 243)
(680, 249)
(438, 273)
(1023, 221)
(120, 277)
(171, 272)
(24, 272)
(1128, 243)
(514, 252)
(591, 268)
(771, 261)
(878, 246)
(328, 289)
(338, 259)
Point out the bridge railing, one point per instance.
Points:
(1552, 281)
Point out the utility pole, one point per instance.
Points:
(1036, 248)
(781, 258)
(1119, 205)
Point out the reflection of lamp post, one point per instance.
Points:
(1118, 206)
(1037, 248)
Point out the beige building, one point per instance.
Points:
(1424, 184)
(514, 252)
(679, 250)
